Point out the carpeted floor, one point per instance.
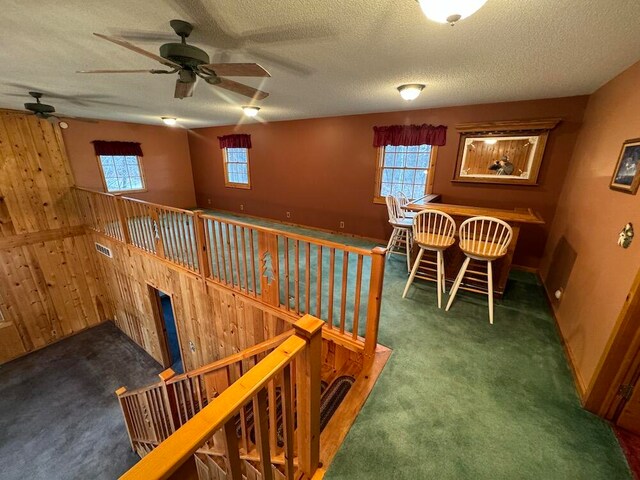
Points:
(461, 399)
(59, 417)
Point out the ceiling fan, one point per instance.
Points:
(191, 62)
(47, 112)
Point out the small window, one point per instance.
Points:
(236, 167)
(121, 173)
(404, 169)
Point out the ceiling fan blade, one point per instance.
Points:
(139, 50)
(242, 89)
(236, 69)
(114, 71)
(184, 89)
(79, 119)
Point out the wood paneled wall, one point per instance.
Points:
(47, 275)
(215, 320)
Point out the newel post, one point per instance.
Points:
(201, 244)
(122, 217)
(374, 303)
(125, 413)
(308, 394)
(169, 409)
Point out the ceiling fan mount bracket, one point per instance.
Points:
(183, 29)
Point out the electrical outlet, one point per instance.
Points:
(209, 201)
(341, 224)
(288, 214)
(242, 207)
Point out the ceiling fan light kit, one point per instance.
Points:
(410, 91)
(191, 63)
(250, 110)
(450, 11)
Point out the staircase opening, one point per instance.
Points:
(167, 330)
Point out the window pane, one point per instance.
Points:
(121, 172)
(385, 190)
(236, 164)
(387, 175)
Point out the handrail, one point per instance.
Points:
(220, 413)
(231, 359)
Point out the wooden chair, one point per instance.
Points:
(403, 200)
(401, 230)
(485, 239)
(435, 231)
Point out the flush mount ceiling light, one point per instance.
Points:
(250, 111)
(410, 91)
(169, 121)
(450, 11)
(491, 141)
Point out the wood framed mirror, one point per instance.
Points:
(508, 152)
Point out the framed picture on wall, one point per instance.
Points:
(626, 176)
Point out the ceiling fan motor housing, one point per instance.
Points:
(186, 55)
(39, 107)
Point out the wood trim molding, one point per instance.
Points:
(30, 238)
(508, 125)
(620, 361)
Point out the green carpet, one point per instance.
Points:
(461, 399)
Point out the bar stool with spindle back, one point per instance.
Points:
(403, 200)
(434, 231)
(485, 239)
(401, 230)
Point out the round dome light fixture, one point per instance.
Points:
(491, 141)
(250, 111)
(410, 91)
(450, 11)
(170, 121)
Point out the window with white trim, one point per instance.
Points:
(121, 173)
(236, 167)
(406, 169)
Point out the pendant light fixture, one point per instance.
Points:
(450, 11)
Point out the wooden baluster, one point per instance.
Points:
(332, 270)
(262, 438)
(237, 255)
(210, 228)
(356, 300)
(165, 376)
(253, 263)
(287, 422)
(296, 275)
(286, 273)
(232, 457)
(204, 265)
(343, 297)
(273, 421)
(125, 414)
(374, 302)
(269, 284)
(307, 277)
(319, 283)
(220, 240)
(228, 242)
(244, 258)
(308, 394)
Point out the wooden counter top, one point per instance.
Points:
(517, 215)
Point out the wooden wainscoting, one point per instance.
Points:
(212, 321)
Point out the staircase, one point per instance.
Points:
(253, 415)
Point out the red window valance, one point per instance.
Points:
(103, 147)
(409, 135)
(238, 140)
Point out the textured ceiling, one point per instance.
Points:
(326, 57)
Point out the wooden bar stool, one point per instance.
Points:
(401, 230)
(434, 231)
(485, 239)
(403, 200)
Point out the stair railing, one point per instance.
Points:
(287, 429)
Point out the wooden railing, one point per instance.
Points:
(337, 283)
(267, 421)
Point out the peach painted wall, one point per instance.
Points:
(166, 162)
(323, 170)
(590, 216)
